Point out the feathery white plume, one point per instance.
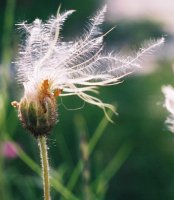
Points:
(74, 67)
(168, 92)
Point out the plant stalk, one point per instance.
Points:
(45, 166)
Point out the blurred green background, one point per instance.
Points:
(132, 159)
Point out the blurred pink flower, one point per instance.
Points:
(9, 149)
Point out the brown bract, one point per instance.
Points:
(39, 115)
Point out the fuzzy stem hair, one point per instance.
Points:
(45, 166)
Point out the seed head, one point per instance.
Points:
(38, 113)
(46, 66)
(168, 92)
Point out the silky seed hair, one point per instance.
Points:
(75, 67)
(168, 92)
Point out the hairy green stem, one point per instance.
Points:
(45, 166)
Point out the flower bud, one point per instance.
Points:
(39, 114)
(37, 117)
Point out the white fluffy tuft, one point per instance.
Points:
(76, 67)
(168, 92)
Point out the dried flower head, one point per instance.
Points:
(48, 67)
(168, 92)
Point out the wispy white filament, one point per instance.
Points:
(168, 92)
(77, 67)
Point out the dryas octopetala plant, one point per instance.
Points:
(48, 68)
